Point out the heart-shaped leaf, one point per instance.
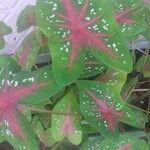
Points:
(13, 126)
(4, 30)
(29, 49)
(130, 15)
(76, 26)
(67, 125)
(30, 87)
(26, 18)
(103, 108)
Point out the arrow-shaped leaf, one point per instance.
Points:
(103, 108)
(67, 125)
(31, 88)
(76, 26)
(13, 126)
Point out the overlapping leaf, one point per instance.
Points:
(130, 15)
(32, 88)
(13, 126)
(76, 26)
(4, 30)
(104, 108)
(67, 125)
(29, 49)
(26, 18)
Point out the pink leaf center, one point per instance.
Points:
(126, 147)
(80, 35)
(67, 126)
(108, 113)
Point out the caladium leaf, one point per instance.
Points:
(103, 108)
(113, 79)
(143, 65)
(67, 125)
(76, 26)
(42, 81)
(29, 49)
(4, 30)
(125, 142)
(130, 15)
(26, 18)
(92, 66)
(13, 126)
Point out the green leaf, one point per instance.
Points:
(67, 125)
(75, 27)
(130, 15)
(16, 86)
(143, 65)
(26, 18)
(94, 97)
(4, 30)
(92, 66)
(29, 49)
(14, 126)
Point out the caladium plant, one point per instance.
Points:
(87, 93)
